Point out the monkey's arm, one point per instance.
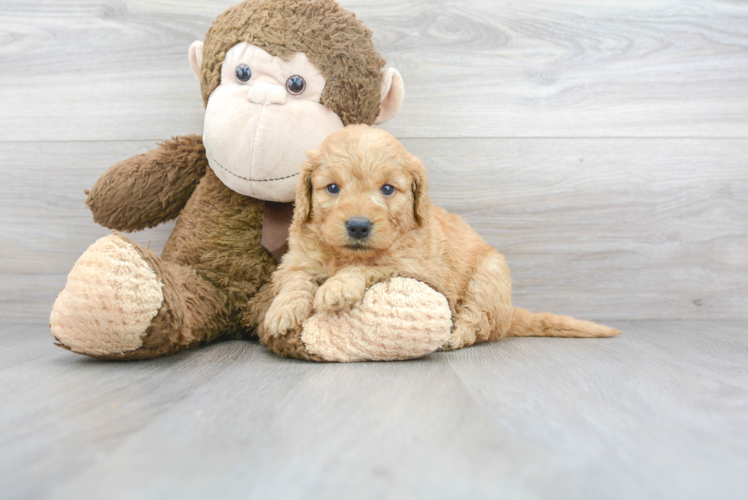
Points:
(150, 188)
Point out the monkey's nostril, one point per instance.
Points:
(358, 227)
(266, 93)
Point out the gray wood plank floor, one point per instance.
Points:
(660, 412)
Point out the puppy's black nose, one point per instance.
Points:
(358, 227)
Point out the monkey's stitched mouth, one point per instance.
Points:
(213, 158)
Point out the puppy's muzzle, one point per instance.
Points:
(359, 228)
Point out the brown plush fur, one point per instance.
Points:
(289, 345)
(332, 38)
(213, 266)
(327, 270)
(150, 188)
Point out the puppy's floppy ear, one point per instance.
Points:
(421, 202)
(303, 205)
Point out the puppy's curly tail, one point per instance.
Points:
(527, 324)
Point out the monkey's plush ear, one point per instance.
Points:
(421, 202)
(303, 206)
(393, 93)
(196, 59)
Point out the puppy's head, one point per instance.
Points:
(361, 191)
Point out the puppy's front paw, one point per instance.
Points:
(288, 311)
(339, 294)
(459, 337)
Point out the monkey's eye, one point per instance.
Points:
(243, 73)
(333, 189)
(388, 190)
(295, 85)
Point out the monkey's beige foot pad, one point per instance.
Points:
(110, 298)
(399, 319)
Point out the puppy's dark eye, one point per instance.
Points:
(388, 190)
(295, 85)
(243, 73)
(333, 189)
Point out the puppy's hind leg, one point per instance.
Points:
(485, 312)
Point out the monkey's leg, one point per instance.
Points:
(288, 345)
(400, 318)
(485, 312)
(122, 301)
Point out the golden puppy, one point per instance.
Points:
(363, 215)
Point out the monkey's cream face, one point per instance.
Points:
(262, 118)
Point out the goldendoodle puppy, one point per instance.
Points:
(363, 215)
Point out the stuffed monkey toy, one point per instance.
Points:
(277, 77)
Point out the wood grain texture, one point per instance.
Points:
(659, 412)
(114, 70)
(600, 229)
(606, 229)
